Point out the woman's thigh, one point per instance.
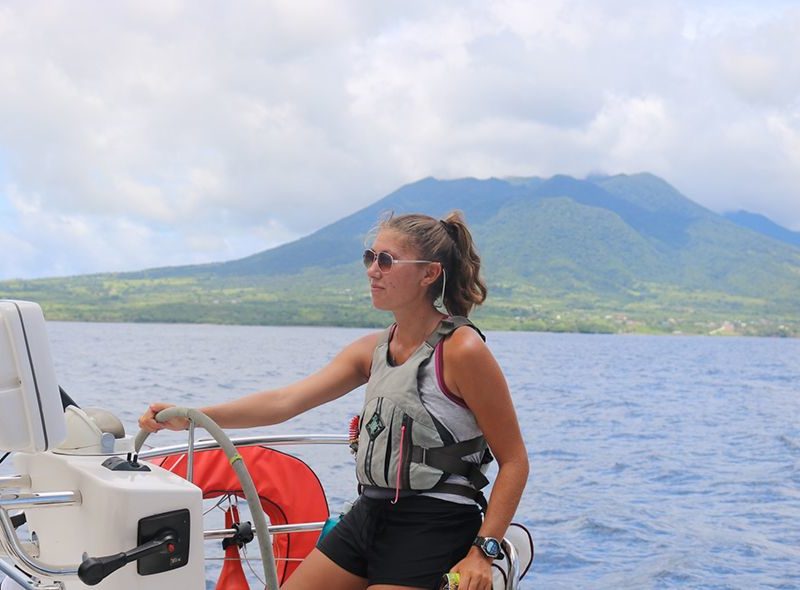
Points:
(318, 571)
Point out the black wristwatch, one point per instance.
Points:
(490, 547)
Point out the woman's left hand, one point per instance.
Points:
(474, 571)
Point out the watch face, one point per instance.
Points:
(491, 547)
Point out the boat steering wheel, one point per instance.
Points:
(198, 418)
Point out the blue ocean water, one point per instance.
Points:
(656, 462)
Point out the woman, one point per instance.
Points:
(435, 398)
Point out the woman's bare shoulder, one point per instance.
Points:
(466, 341)
(366, 343)
(360, 351)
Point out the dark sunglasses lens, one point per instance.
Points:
(369, 258)
(385, 261)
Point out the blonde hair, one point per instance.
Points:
(449, 242)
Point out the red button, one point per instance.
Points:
(170, 548)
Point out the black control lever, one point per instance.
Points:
(94, 569)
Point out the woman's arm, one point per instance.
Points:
(348, 370)
(472, 372)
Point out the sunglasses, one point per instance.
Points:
(386, 260)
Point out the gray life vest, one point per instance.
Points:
(401, 446)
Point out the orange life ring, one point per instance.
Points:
(290, 493)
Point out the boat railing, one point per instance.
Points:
(14, 548)
(249, 441)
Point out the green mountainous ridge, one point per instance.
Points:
(625, 253)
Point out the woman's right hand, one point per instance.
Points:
(148, 419)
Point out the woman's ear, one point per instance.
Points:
(432, 273)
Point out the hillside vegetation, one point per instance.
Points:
(604, 254)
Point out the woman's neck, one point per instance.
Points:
(413, 328)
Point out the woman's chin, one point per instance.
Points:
(378, 302)
(379, 306)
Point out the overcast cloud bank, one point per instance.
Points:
(140, 134)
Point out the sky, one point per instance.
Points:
(137, 134)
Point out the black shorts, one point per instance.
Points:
(411, 543)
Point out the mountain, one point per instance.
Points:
(608, 235)
(605, 253)
(765, 226)
(341, 243)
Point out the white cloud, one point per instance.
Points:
(759, 64)
(210, 131)
(57, 243)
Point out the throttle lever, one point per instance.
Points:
(94, 570)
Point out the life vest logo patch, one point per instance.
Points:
(375, 426)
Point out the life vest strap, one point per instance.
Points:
(442, 488)
(449, 325)
(471, 493)
(449, 459)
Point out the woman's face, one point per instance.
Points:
(403, 284)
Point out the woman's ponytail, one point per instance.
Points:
(465, 288)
